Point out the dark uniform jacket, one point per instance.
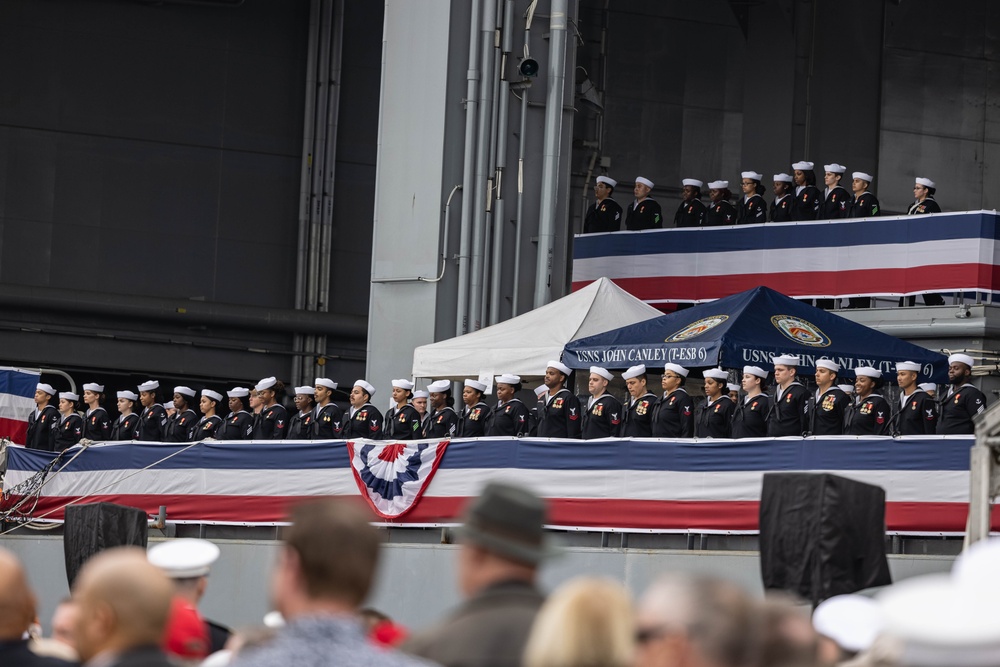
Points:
(720, 213)
(864, 206)
(152, 421)
(179, 426)
(329, 422)
(781, 209)
(150, 656)
(715, 419)
(511, 418)
(836, 205)
(403, 423)
(790, 412)
(673, 416)
(40, 425)
(560, 416)
(928, 205)
(918, 414)
(272, 424)
(68, 432)
(207, 427)
(603, 216)
(442, 423)
(366, 422)
(16, 653)
(958, 408)
(125, 427)
(690, 213)
(806, 204)
(829, 413)
(638, 421)
(300, 426)
(97, 425)
(752, 210)
(236, 426)
(750, 417)
(870, 416)
(603, 418)
(473, 423)
(644, 215)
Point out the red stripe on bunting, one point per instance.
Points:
(613, 513)
(967, 277)
(15, 429)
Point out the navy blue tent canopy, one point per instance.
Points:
(748, 329)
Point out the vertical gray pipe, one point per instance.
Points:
(305, 179)
(552, 143)
(499, 219)
(468, 171)
(487, 49)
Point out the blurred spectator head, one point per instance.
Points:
(17, 602)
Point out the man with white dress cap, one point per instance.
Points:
(691, 212)
(329, 421)
(603, 416)
(917, 412)
(605, 214)
(963, 401)
(790, 414)
(782, 204)
(561, 416)
(644, 213)
(638, 422)
(864, 204)
(673, 414)
(363, 420)
(753, 208)
(830, 403)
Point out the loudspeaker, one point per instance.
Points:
(90, 529)
(821, 535)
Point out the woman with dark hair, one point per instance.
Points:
(807, 195)
(837, 203)
(402, 421)
(510, 416)
(180, 424)
(300, 426)
(476, 412)
(43, 419)
(273, 422)
(210, 424)
(70, 428)
(127, 425)
(753, 207)
(720, 211)
(871, 412)
(750, 416)
(238, 424)
(97, 425)
(715, 416)
(329, 422)
(153, 417)
(673, 414)
(443, 420)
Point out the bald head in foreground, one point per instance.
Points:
(123, 603)
(17, 612)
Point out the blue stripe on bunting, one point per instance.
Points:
(18, 383)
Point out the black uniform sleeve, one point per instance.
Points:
(685, 413)
(928, 415)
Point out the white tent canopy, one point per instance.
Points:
(523, 345)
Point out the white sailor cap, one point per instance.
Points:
(927, 386)
(184, 558)
(752, 175)
(603, 372)
(607, 180)
(785, 360)
(130, 395)
(676, 368)
(274, 620)
(214, 395)
(439, 387)
(94, 387)
(306, 390)
(834, 168)
(634, 372)
(540, 390)
(559, 366)
(266, 383)
(908, 366)
(238, 392)
(169, 405)
(784, 178)
(863, 176)
(47, 388)
(926, 182)
(420, 393)
(868, 371)
(370, 390)
(716, 374)
(187, 391)
(755, 370)
(149, 385)
(325, 382)
(732, 386)
(962, 359)
(645, 181)
(508, 378)
(852, 621)
(718, 185)
(403, 383)
(803, 166)
(828, 364)
(846, 388)
(693, 182)
(476, 384)
(69, 396)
